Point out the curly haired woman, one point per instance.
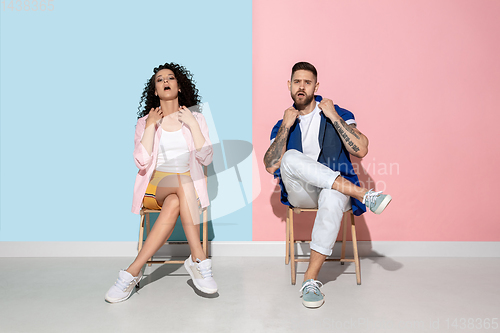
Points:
(171, 145)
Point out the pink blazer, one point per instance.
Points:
(147, 163)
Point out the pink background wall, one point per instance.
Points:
(423, 80)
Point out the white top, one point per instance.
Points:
(309, 127)
(173, 152)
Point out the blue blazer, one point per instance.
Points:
(333, 153)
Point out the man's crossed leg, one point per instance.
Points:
(310, 184)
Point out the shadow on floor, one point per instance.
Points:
(200, 293)
(159, 273)
(330, 271)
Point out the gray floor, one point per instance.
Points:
(255, 295)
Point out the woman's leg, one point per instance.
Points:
(183, 187)
(160, 232)
(190, 216)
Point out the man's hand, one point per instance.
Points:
(354, 141)
(326, 105)
(289, 117)
(273, 156)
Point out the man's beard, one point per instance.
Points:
(305, 102)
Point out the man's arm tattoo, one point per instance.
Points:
(275, 152)
(349, 128)
(344, 136)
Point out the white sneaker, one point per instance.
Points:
(201, 274)
(123, 287)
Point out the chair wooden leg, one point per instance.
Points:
(141, 241)
(292, 249)
(141, 234)
(287, 257)
(205, 232)
(355, 249)
(148, 229)
(344, 238)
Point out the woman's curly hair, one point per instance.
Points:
(188, 96)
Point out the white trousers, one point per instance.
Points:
(309, 185)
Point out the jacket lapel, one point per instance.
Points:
(295, 138)
(322, 129)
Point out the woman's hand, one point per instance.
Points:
(186, 117)
(154, 117)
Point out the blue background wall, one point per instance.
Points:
(71, 81)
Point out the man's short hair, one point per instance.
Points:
(305, 66)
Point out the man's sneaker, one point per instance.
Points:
(123, 287)
(376, 201)
(201, 274)
(311, 295)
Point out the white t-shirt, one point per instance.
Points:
(173, 153)
(309, 127)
